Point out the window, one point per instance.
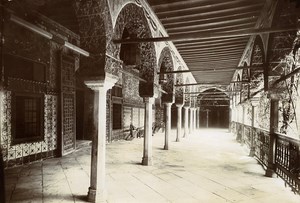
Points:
(17, 67)
(129, 53)
(27, 114)
(117, 91)
(117, 116)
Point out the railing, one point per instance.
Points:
(287, 152)
(287, 161)
(247, 135)
(261, 145)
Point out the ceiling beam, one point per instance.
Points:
(209, 54)
(206, 10)
(162, 5)
(239, 81)
(228, 28)
(215, 99)
(211, 93)
(214, 45)
(216, 35)
(211, 49)
(213, 63)
(211, 59)
(253, 14)
(218, 83)
(233, 68)
(216, 24)
(214, 105)
(208, 41)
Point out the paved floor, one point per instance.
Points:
(208, 166)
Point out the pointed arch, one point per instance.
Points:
(132, 19)
(167, 81)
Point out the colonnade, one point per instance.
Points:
(97, 189)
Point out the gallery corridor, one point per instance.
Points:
(208, 166)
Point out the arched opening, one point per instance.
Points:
(214, 109)
(138, 61)
(129, 53)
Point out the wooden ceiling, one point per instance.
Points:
(209, 16)
(180, 17)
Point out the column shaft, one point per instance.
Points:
(97, 189)
(252, 147)
(191, 120)
(243, 126)
(207, 118)
(168, 124)
(179, 118)
(273, 128)
(147, 153)
(186, 121)
(195, 118)
(198, 118)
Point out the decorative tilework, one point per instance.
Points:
(13, 152)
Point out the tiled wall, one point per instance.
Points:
(28, 152)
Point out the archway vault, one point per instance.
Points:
(133, 19)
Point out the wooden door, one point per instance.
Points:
(67, 105)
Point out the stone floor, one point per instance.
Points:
(208, 166)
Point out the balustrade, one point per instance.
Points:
(287, 152)
(287, 159)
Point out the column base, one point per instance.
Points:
(147, 161)
(252, 152)
(177, 140)
(270, 172)
(166, 147)
(96, 196)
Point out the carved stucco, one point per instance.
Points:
(165, 64)
(131, 90)
(179, 90)
(257, 59)
(187, 98)
(133, 19)
(265, 20)
(95, 30)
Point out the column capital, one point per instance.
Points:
(107, 82)
(274, 96)
(186, 107)
(149, 100)
(168, 104)
(179, 105)
(254, 101)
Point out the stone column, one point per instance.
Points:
(179, 119)
(97, 189)
(207, 117)
(273, 128)
(243, 122)
(230, 116)
(168, 124)
(254, 103)
(186, 121)
(198, 117)
(147, 154)
(191, 120)
(195, 118)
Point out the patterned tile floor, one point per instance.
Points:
(208, 166)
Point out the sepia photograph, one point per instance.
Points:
(150, 101)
